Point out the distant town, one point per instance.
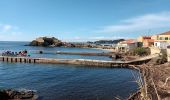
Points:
(161, 41)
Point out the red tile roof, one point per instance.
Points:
(165, 33)
(151, 40)
(146, 37)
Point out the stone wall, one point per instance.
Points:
(155, 50)
(168, 54)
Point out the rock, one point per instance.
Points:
(41, 52)
(4, 95)
(46, 42)
(17, 95)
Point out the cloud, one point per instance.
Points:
(107, 38)
(6, 28)
(10, 33)
(139, 23)
(85, 39)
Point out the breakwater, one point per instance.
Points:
(85, 54)
(89, 62)
(75, 53)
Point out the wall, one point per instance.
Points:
(168, 54)
(140, 39)
(163, 36)
(161, 45)
(155, 50)
(154, 37)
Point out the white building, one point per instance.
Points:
(161, 45)
(126, 45)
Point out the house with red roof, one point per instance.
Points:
(146, 41)
(126, 45)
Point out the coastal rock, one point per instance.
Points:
(18, 95)
(46, 42)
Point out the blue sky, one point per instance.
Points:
(82, 20)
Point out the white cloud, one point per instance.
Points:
(16, 33)
(6, 28)
(10, 33)
(85, 39)
(107, 38)
(139, 23)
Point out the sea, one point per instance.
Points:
(66, 82)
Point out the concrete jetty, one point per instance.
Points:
(85, 54)
(74, 53)
(89, 62)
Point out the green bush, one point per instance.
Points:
(141, 51)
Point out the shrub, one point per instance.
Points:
(141, 51)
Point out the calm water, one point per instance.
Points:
(18, 46)
(66, 82)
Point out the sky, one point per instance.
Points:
(82, 20)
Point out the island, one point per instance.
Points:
(46, 41)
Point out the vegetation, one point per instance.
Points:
(140, 51)
(108, 41)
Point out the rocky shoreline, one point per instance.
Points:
(11, 94)
(155, 83)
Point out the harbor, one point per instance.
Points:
(85, 50)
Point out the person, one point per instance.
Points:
(16, 53)
(25, 51)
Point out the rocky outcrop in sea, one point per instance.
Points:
(46, 42)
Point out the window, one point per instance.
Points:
(166, 38)
(160, 38)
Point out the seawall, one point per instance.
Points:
(89, 62)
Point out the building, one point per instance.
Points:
(163, 37)
(106, 45)
(126, 45)
(146, 41)
(161, 45)
(162, 40)
(143, 38)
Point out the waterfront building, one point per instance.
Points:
(146, 41)
(107, 45)
(161, 45)
(126, 45)
(163, 37)
(162, 40)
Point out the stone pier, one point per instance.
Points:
(89, 62)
